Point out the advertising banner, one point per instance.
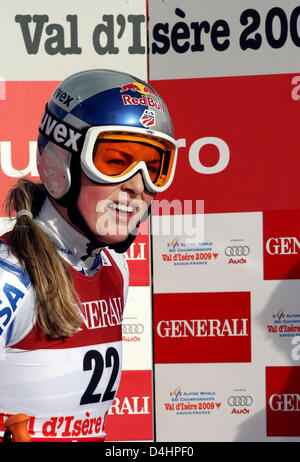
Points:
(225, 275)
(218, 39)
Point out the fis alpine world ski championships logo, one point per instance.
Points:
(181, 252)
(284, 324)
(182, 402)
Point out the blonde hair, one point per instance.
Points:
(57, 304)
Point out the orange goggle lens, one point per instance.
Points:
(116, 155)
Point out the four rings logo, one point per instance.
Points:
(240, 400)
(132, 329)
(237, 251)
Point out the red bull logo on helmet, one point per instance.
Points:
(145, 100)
(139, 87)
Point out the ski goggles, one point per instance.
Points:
(113, 154)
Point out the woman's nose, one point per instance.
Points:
(134, 185)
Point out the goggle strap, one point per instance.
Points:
(61, 133)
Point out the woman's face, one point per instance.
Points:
(113, 211)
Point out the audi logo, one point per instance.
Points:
(237, 251)
(132, 328)
(240, 400)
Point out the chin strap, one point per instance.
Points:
(123, 246)
(90, 247)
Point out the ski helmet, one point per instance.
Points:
(85, 112)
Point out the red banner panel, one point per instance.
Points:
(281, 237)
(20, 116)
(137, 257)
(283, 401)
(202, 327)
(239, 141)
(130, 416)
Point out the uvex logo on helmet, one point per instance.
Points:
(63, 97)
(61, 133)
